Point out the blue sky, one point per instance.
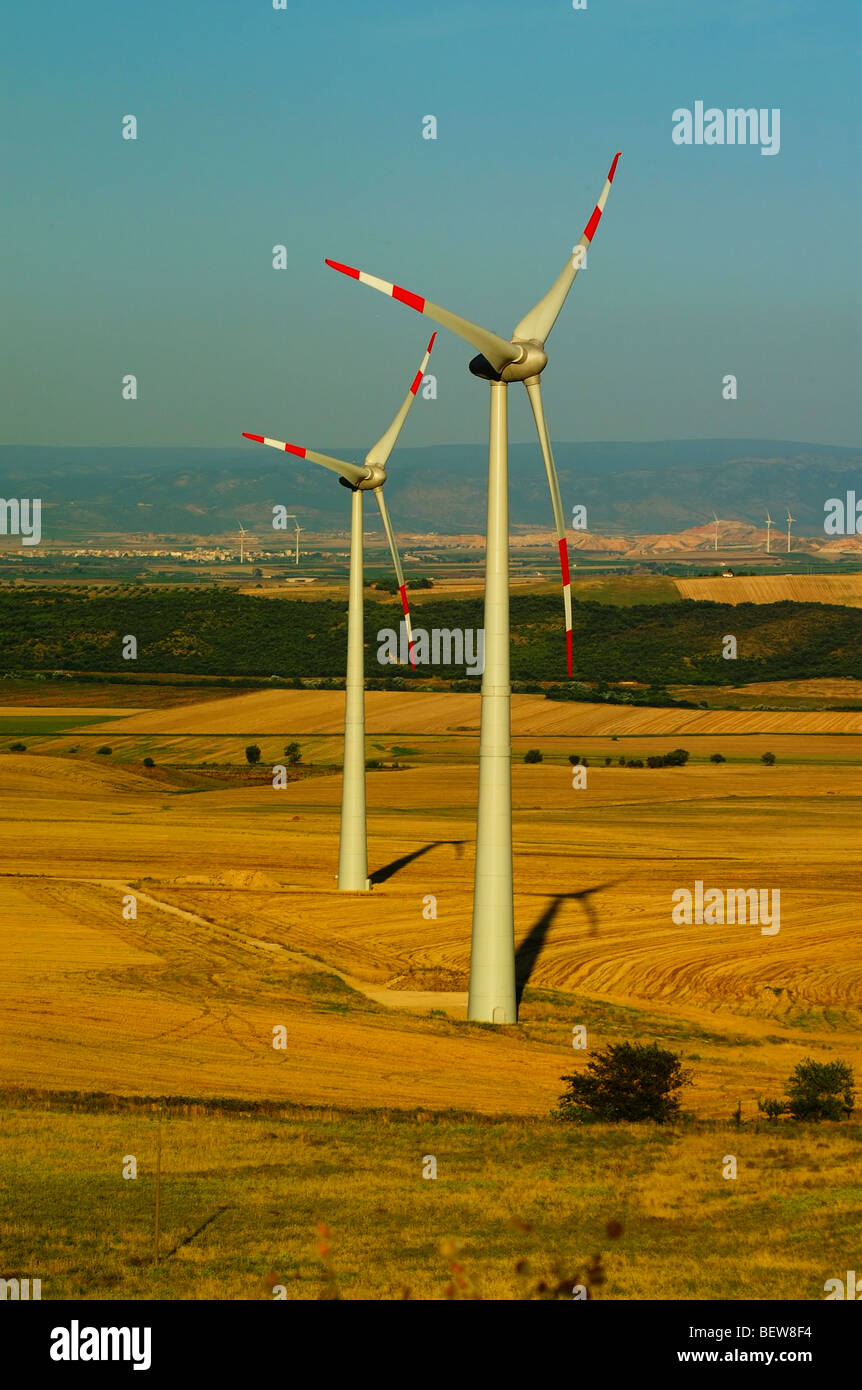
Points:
(304, 127)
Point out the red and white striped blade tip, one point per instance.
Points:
(414, 301)
(277, 444)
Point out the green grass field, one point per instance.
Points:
(242, 1194)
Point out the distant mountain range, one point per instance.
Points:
(656, 488)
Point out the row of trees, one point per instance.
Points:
(217, 631)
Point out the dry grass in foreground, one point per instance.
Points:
(517, 1204)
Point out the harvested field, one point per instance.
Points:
(774, 588)
(239, 929)
(322, 712)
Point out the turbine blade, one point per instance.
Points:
(542, 317)
(497, 350)
(385, 444)
(534, 391)
(399, 573)
(353, 472)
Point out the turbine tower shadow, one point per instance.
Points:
(387, 871)
(531, 947)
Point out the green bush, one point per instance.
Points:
(821, 1091)
(148, 762)
(292, 754)
(105, 750)
(252, 754)
(533, 755)
(17, 748)
(772, 1108)
(816, 1091)
(717, 758)
(625, 1081)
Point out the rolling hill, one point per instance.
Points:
(639, 487)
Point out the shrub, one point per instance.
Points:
(717, 758)
(105, 750)
(148, 762)
(625, 1081)
(252, 754)
(772, 1108)
(817, 1091)
(533, 755)
(292, 754)
(634, 762)
(17, 748)
(767, 758)
(821, 1091)
(574, 759)
(621, 762)
(677, 758)
(608, 762)
(373, 764)
(655, 760)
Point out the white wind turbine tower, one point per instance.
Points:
(790, 520)
(492, 997)
(289, 516)
(769, 525)
(715, 533)
(241, 543)
(359, 478)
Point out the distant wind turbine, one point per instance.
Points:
(769, 525)
(295, 519)
(360, 478)
(715, 534)
(241, 543)
(790, 520)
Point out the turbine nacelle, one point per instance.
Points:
(375, 476)
(532, 360)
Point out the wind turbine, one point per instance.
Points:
(790, 520)
(289, 516)
(241, 543)
(492, 996)
(769, 524)
(359, 478)
(715, 534)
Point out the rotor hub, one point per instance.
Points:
(532, 361)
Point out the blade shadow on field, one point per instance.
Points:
(387, 871)
(533, 943)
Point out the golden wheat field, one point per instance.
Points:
(240, 930)
(390, 712)
(775, 588)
